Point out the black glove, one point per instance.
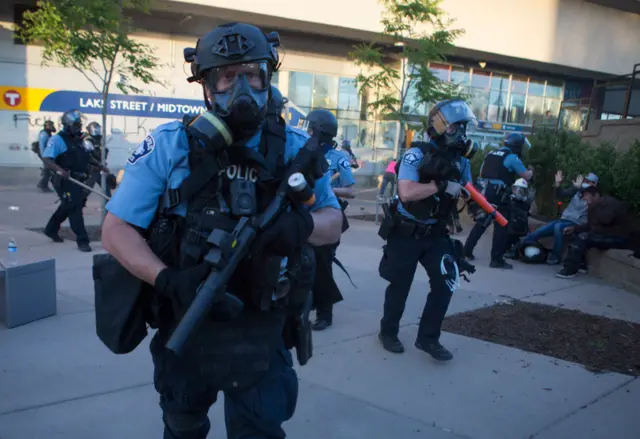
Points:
(290, 232)
(180, 286)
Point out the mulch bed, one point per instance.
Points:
(598, 343)
(94, 232)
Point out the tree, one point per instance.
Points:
(92, 37)
(419, 33)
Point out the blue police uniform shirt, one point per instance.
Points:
(409, 170)
(339, 164)
(55, 147)
(161, 162)
(512, 163)
(43, 138)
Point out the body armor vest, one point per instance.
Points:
(435, 166)
(97, 148)
(494, 169)
(76, 158)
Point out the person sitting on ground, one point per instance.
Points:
(609, 226)
(389, 178)
(574, 215)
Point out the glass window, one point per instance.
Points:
(536, 88)
(480, 79)
(499, 82)
(441, 71)
(497, 106)
(460, 75)
(552, 108)
(348, 98)
(274, 79)
(554, 89)
(534, 110)
(325, 91)
(516, 108)
(300, 89)
(411, 105)
(519, 84)
(479, 103)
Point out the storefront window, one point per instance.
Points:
(536, 88)
(497, 105)
(516, 108)
(519, 84)
(460, 75)
(441, 71)
(479, 103)
(301, 89)
(480, 79)
(552, 108)
(554, 90)
(499, 82)
(348, 98)
(534, 110)
(274, 79)
(325, 91)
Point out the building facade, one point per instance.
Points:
(518, 61)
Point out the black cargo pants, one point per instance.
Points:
(325, 289)
(401, 255)
(72, 200)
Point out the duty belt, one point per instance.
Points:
(419, 230)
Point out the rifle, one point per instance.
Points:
(229, 249)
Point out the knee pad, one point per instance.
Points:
(194, 425)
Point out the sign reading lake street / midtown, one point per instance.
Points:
(36, 99)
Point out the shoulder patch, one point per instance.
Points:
(145, 148)
(411, 158)
(344, 164)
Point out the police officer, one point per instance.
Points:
(38, 147)
(210, 168)
(92, 139)
(65, 154)
(323, 123)
(346, 146)
(430, 179)
(497, 175)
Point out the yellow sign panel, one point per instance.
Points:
(22, 98)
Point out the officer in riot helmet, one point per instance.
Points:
(430, 179)
(497, 175)
(323, 124)
(38, 147)
(92, 139)
(66, 156)
(211, 173)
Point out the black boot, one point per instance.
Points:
(324, 319)
(391, 343)
(436, 350)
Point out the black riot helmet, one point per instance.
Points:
(95, 130)
(49, 126)
(516, 142)
(447, 125)
(323, 124)
(234, 63)
(72, 123)
(276, 103)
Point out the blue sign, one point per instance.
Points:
(122, 105)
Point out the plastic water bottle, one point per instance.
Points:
(12, 253)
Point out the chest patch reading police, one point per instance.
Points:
(241, 172)
(144, 149)
(411, 158)
(344, 164)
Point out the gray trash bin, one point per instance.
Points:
(27, 292)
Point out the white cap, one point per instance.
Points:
(522, 183)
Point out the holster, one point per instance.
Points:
(390, 220)
(121, 314)
(298, 333)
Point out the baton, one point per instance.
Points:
(484, 204)
(81, 184)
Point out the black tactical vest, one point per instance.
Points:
(435, 166)
(76, 158)
(97, 147)
(494, 169)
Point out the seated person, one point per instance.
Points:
(609, 225)
(520, 204)
(575, 214)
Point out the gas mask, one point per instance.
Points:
(455, 143)
(239, 96)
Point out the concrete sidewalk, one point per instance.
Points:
(58, 381)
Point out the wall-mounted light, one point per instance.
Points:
(482, 64)
(399, 44)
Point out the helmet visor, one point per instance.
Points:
(223, 79)
(456, 112)
(95, 130)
